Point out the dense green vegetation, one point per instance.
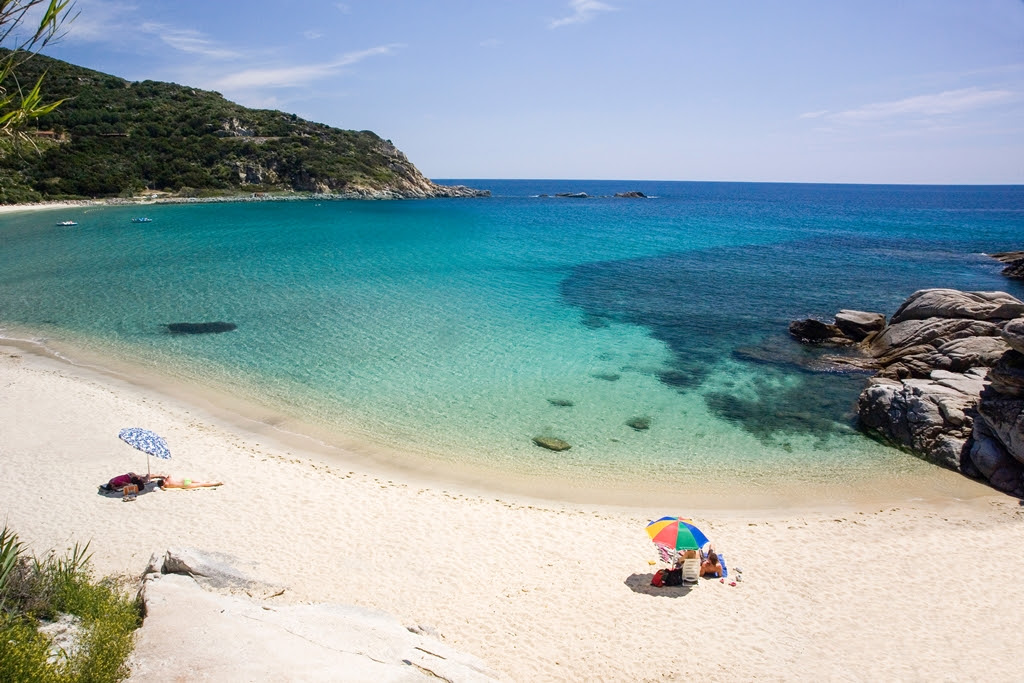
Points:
(34, 591)
(20, 102)
(117, 138)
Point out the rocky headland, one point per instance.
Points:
(949, 378)
(112, 138)
(1014, 261)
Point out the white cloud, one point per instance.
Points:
(103, 21)
(298, 75)
(582, 10)
(99, 20)
(490, 42)
(813, 114)
(187, 40)
(343, 8)
(944, 103)
(312, 35)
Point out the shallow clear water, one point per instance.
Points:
(450, 328)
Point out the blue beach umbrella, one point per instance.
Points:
(147, 442)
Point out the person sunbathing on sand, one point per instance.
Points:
(711, 566)
(166, 481)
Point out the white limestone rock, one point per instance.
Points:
(193, 634)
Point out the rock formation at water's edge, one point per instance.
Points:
(949, 382)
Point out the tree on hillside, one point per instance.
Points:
(23, 37)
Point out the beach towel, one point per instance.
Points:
(667, 555)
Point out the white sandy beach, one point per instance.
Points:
(540, 590)
(46, 206)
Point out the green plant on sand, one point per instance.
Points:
(34, 592)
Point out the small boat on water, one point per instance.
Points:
(67, 224)
(142, 220)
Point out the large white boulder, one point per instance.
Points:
(191, 633)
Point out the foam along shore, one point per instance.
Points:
(538, 590)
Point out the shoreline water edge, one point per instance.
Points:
(767, 489)
(227, 199)
(536, 588)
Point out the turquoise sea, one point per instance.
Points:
(447, 332)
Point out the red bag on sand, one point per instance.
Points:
(659, 578)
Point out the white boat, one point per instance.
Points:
(142, 220)
(67, 223)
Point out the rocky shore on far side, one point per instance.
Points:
(949, 378)
(429, 191)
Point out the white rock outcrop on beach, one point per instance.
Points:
(192, 633)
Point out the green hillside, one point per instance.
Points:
(117, 138)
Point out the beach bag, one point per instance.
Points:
(673, 577)
(656, 580)
(119, 482)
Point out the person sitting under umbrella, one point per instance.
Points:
(166, 481)
(711, 566)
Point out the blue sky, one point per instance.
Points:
(874, 91)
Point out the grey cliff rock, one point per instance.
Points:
(950, 383)
(1014, 261)
(1004, 417)
(1007, 375)
(900, 339)
(913, 348)
(959, 355)
(859, 324)
(811, 331)
(952, 303)
(407, 182)
(931, 417)
(1013, 334)
(988, 459)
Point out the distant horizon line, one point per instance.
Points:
(441, 179)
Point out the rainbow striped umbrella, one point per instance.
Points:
(676, 533)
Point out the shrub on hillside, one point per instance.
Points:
(34, 592)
